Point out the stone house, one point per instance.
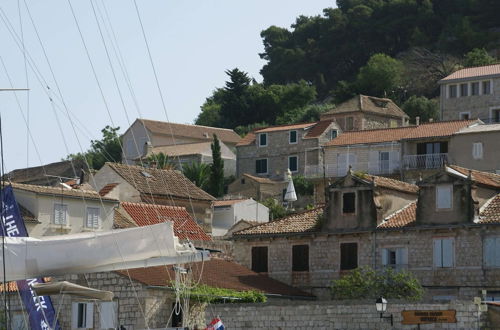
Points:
(269, 152)
(444, 230)
(200, 152)
(159, 134)
(228, 212)
(129, 183)
(476, 147)
(49, 174)
(51, 211)
(257, 188)
(471, 93)
(367, 112)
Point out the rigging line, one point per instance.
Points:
(2, 172)
(26, 77)
(159, 89)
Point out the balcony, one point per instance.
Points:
(383, 167)
(424, 162)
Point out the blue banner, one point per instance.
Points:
(40, 309)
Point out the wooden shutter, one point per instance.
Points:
(341, 164)
(300, 258)
(259, 259)
(394, 160)
(490, 252)
(89, 317)
(107, 315)
(438, 260)
(447, 252)
(74, 315)
(348, 256)
(444, 196)
(384, 257)
(401, 257)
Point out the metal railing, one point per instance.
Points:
(375, 168)
(427, 161)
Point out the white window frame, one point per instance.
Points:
(478, 88)
(65, 210)
(294, 156)
(477, 150)
(460, 115)
(267, 166)
(296, 137)
(88, 310)
(401, 257)
(91, 223)
(491, 252)
(336, 133)
(259, 140)
(442, 187)
(491, 112)
(443, 250)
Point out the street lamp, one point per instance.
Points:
(381, 305)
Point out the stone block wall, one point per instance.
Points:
(339, 315)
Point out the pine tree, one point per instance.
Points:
(216, 170)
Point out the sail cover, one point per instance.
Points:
(146, 246)
(64, 287)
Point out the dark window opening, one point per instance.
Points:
(475, 88)
(242, 181)
(349, 202)
(464, 90)
(263, 139)
(259, 259)
(300, 258)
(293, 136)
(261, 166)
(464, 116)
(496, 116)
(432, 148)
(293, 163)
(333, 134)
(453, 91)
(348, 256)
(349, 123)
(486, 87)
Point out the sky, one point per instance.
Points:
(192, 44)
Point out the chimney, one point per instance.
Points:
(417, 120)
(147, 148)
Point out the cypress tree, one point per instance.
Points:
(216, 170)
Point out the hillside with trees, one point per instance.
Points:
(386, 48)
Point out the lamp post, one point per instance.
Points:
(381, 305)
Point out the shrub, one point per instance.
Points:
(365, 283)
(303, 186)
(208, 294)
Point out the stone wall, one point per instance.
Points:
(338, 315)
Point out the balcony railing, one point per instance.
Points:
(376, 168)
(428, 161)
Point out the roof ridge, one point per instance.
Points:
(172, 123)
(397, 212)
(156, 205)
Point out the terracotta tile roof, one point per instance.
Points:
(475, 72)
(318, 129)
(303, 222)
(160, 182)
(404, 217)
(107, 189)
(56, 192)
(217, 273)
(260, 179)
(12, 286)
(38, 174)
(485, 178)
(315, 129)
(191, 131)
(434, 129)
(490, 212)
(122, 220)
(228, 202)
(27, 216)
(364, 103)
(389, 183)
(148, 214)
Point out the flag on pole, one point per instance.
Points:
(216, 324)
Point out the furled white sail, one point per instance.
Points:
(90, 252)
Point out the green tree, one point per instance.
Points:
(216, 170)
(381, 76)
(303, 186)
(161, 161)
(276, 209)
(108, 149)
(366, 283)
(198, 173)
(234, 103)
(421, 106)
(478, 57)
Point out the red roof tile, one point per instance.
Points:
(107, 188)
(389, 183)
(287, 127)
(381, 106)
(147, 214)
(318, 129)
(491, 211)
(485, 178)
(405, 217)
(434, 129)
(475, 72)
(303, 222)
(217, 273)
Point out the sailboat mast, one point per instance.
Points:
(2, 172)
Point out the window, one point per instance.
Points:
(492, 251)
(261, 166)
(396, 258)
(384, 161)
(349, 123)
(486, 87)
(333, 134)
(393, 123)
(349, 202)
(60, 214)
(474, 88)
(242, 181)
(93, 217)
(464, 90)
(108, 315)
(300, 258)
(464, 115)
(348, 256)
(477, 150)
(443, 252)
(292, 137)
(428, 148)
(293, 163)
(82, 315)
(495, 115)
(444, 195)
(259, 259)
(492, 296)
(262, 139)
(452, 91)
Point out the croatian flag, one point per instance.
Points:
(216, 324)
